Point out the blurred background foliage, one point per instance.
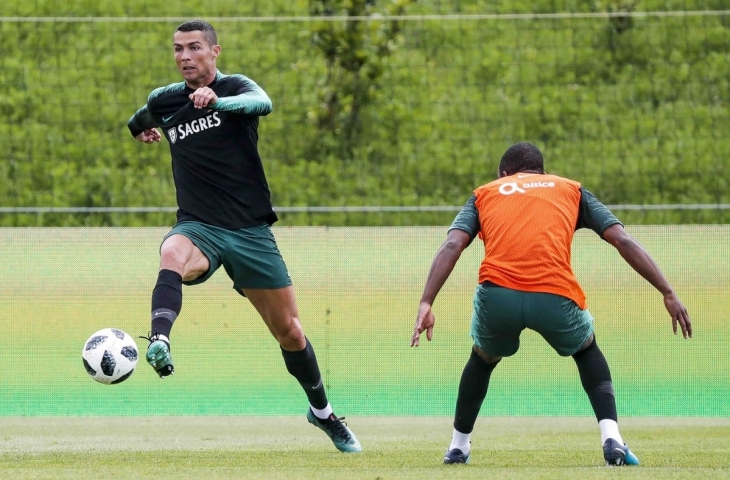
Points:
(414, 110)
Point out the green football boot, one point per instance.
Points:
(616, 454)
(158, 356)
(455, 456)
(336, 429)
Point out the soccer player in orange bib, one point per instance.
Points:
(526, 219)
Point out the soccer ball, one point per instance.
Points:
(110, 356)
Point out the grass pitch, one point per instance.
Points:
(394, 448)
(358, 291)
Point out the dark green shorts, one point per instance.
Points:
(500, 315)
(250, 256)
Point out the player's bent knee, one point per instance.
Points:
(173, 255)
(587, 345)
(291, 338)
(487, 357)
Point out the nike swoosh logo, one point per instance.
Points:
(160, 313)
(319, 384)
(167, 119)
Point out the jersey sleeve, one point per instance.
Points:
(593, 214)
(468, 218)
(250, 99)
(141, 121)
(142, 118)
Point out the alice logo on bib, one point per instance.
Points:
(513, 187)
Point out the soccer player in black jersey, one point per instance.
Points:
(224, 216)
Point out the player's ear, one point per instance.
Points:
(216, 50)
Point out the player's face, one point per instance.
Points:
(195, 58)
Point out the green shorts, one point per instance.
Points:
(500, 315)
(250, 256)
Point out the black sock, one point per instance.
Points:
(596, 379)
(472, 392)
(303, 366)
(166, 302)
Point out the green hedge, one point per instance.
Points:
(637, 110)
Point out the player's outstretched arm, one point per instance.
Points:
(641, 261)
(250, 99)
(441, 267)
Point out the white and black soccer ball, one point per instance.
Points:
(110, 356)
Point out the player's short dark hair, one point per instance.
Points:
(520, 157)
(200, 26)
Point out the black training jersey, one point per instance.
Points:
(218, 174)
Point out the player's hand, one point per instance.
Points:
(679, 315)
(424, 321)
(151, 135)
(203, 97)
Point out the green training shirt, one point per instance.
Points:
(218, 173)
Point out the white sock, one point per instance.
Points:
(461, 441)
(609, 429)
(324, 413)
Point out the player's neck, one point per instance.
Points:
(203, 82)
